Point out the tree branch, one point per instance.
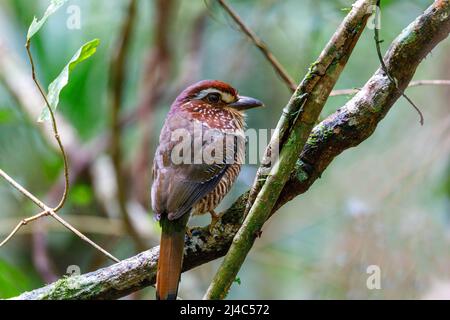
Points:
(47, 212)
(418, 83)
(346, 128)
(279, 69)
(54, 127)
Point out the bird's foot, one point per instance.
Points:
(189, 232)
(215, 217)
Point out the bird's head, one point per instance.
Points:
(215, 102)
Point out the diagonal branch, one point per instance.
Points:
(346, 128)
(47, 211)
(383, 65)
(418, 83)
(279, 69)
(54, 127)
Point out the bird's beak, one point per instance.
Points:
(245, 103)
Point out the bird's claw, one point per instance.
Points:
(214, 219)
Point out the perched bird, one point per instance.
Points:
(199, 156)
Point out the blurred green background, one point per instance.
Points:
(384, 203)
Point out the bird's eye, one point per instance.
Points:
(213, 97)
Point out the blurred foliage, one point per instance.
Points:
(12, 281)
(381, 203)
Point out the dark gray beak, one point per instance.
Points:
(245, 103)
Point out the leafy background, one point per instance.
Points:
(385, 203)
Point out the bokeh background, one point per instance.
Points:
(384, 203)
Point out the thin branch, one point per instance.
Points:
(344, 92)
(22, 223)
(91, 224)
(383, 65)
(344, 129)
(47, 211)
(280, 69)
(290, 83)
(55, 130)
(23, 90)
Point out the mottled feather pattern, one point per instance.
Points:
(183, 188)
(177, 188)
(212, 199)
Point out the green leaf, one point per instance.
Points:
(36, 24)
(12, 281)
(55, 88)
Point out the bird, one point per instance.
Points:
(199, 156)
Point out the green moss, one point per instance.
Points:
(322, 132)
(70, 288)
(311, 70)
(312, 140)
(63, 289)
(326, 131)
(301, 175)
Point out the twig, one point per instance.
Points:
(302, 112)
(344, 92)
(47, 211)
(261, 46)
(116, 81)
(24, 91)
(90, 224)
(383, 65)
(55, 130)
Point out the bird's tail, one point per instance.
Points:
(170, 261)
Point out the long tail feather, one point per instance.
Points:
(170, 263)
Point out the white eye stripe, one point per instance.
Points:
(228, 98)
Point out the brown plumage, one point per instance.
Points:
(200, 152)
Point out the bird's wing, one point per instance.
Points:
(178, 187)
